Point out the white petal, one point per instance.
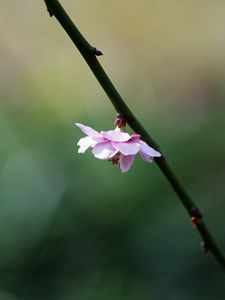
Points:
(104, 150)
(146, 149)
(128, 148)
(125, 162)
(88, 130)
(115, 135)
(85, 143)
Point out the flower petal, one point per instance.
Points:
(135, 137)
(88, 130)
(85, 143)
(128, 148)
(125, 162)
(146, 157)
(146, 149)
(115, 135)
(104, 150)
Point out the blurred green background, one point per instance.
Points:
(74, 227)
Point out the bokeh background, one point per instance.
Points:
(74, 227)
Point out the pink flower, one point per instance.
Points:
(116, 146)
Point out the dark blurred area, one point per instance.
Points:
(72, 226)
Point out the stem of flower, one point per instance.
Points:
(89, 53)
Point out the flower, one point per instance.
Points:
(115, 145)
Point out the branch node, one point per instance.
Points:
(196, 217)
(205, 247)
(50, 12)
(97, 52)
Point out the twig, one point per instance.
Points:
(89, 53)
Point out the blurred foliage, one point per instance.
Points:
(73, 227)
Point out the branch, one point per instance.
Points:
(89, 53)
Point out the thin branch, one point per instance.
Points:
(89, 53)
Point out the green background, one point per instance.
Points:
(72, 226)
